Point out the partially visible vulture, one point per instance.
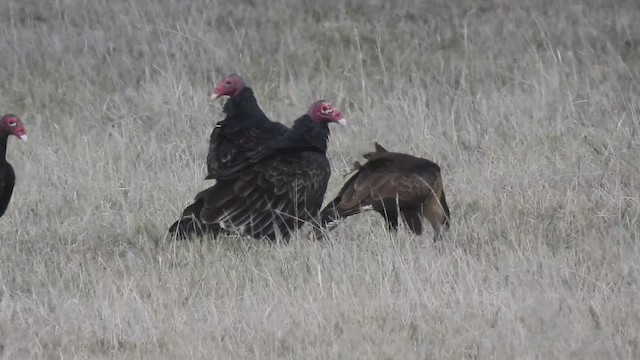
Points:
(391, 183)
(274, 190)
(9, 125)
(244, 128)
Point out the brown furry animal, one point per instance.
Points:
(392, 184)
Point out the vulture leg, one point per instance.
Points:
(413, 218)
(436, 211)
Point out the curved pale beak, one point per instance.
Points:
(216, 94)
(342, 121)
(23, 137)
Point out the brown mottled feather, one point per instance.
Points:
(387, 181)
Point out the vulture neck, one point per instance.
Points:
(306, 134)
(3, 147)
(244, 106)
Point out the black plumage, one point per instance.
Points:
(276, 188)
(244, 128)
(9, 125)
(394, 185)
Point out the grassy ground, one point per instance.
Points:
(530, 107)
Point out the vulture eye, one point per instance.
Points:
(12, 122)
(326, 109)
(227, 82)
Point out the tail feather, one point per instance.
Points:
(379, 148)
(379, 151)
(190, 225)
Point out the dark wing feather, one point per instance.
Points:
(190, 224)
(275, 196)
(229, 145)
(244, 129)
(219, 152)
(7, 181)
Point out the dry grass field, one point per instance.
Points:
(530, 107)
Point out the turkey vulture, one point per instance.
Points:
(275, 189)
(389, 181)
(9, 125)
(244, 128)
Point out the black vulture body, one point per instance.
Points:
(270, 192)
(7, 176)
(245, 128)
(9, 125)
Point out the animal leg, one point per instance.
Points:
(413, 218)
(390, 214)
